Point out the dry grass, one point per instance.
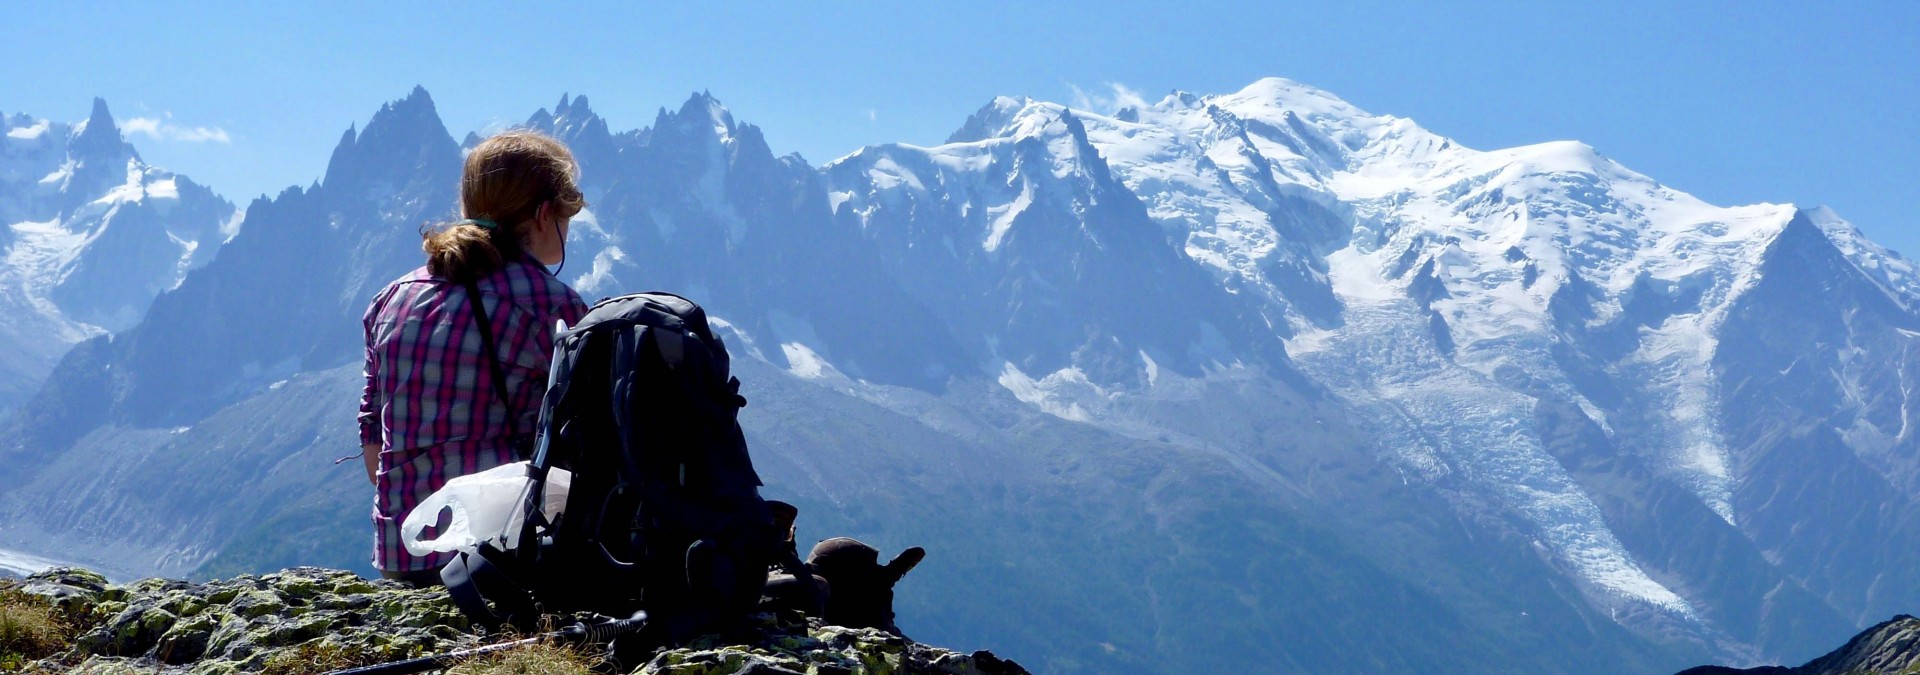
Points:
(320, 656)
(316, 656)
(533, 660)
(30, 628)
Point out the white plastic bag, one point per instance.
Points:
(485, 507)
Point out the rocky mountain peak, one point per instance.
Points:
(573, 121)
(404, 143)
(701, 110)
(99, 136)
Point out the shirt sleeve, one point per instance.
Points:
(371, 399)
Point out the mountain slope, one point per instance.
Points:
(91, 235)
(1537, 331)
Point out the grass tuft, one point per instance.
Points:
(322, 655)
(532, 660)
(30, 628)
(317, 656)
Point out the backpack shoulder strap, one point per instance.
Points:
(493, 357)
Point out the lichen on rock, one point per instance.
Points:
(808, 648)
(243, 624)
(310, 620)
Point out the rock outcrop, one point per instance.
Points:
(312, 620)
(1890, 648)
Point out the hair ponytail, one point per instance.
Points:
(507, 179)
(461, 251)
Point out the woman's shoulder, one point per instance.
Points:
(417, 276)
(529, 283)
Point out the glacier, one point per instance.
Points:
(1436, 288)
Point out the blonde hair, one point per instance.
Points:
(506, 180)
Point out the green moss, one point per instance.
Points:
(231, 629)
(348, 584)
(109, 608)
(186, 605)
(107, 665)
(255, 604)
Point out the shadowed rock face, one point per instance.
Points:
(1893, 647)
(310, 620)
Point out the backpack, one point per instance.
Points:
(663, 513)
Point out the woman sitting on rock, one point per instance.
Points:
(437, 404)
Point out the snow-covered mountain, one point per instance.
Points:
(92, 234)
(1475, 308)
(1260, 370)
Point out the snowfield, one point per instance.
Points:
(1461, 278)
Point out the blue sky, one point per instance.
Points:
(1737, 102)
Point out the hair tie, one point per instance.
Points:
(483, 223)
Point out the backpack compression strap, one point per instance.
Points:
(472, 579)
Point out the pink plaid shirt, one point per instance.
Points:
(429, 401)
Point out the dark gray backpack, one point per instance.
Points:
(663, 513)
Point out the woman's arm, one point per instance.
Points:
(370, 402)
(371, 453)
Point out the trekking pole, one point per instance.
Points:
(575, 634)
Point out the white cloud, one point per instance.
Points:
(1124, 97)
(872, 115)
(1080, 98)
(142, 125)
(1116, 97)
(161, 128)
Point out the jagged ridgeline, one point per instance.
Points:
(1257, 381)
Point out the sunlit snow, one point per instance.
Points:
(1460, 275)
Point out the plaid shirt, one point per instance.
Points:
(429, 401)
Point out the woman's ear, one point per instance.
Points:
(542, 216)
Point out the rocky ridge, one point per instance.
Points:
(1891, 647)
(313, 620)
